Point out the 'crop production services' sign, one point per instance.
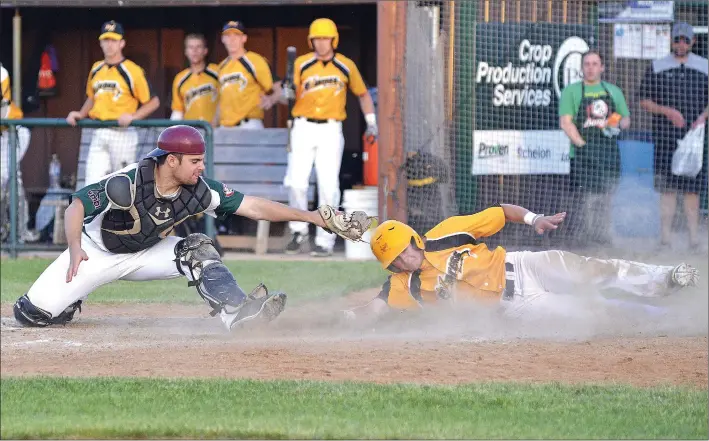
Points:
(520, 70)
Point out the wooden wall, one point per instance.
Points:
(154, 40)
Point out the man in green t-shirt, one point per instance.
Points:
(592, 113)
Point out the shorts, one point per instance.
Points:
(665, 181)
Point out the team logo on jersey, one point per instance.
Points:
(445, 285)
(227, 191)
(94, 197)
(237, 78)
(200, 91)
(327, 82)
(160, 212)
(108, 87)
(596, 114)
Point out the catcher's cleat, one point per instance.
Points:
(258, 305)
(683, 275)
(29, 315)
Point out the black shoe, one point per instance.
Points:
(319, 251)
(258, 304)
(297, 240)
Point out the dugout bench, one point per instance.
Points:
(252, 162)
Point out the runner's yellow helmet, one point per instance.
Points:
(390, 239)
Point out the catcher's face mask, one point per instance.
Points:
(391, 238)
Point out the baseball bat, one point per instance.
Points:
(290, 67)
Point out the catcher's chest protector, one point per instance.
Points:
(150, 219)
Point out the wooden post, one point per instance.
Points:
(391, 73)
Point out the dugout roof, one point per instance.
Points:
(154, 3)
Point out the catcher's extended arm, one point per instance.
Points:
(348, 226)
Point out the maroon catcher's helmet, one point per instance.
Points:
(179, 139)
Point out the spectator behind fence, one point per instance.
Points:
(675, 92)
(8, 110)
(195, 90)
(591, 113)
(246, 81)
(116, 90)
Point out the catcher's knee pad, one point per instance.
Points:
(196, 258)
(28, 314)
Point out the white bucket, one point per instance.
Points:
(366, 200)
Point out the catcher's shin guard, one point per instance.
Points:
(196, 258)
(27, 314)
(217, 286)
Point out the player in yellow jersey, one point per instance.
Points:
(8, 110)
(451, 263)
(195, 90)
(116, 90)
(321, 79)
(246, 82)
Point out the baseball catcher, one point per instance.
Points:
(451, 263)
(119, 229)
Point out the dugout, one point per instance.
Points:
(154, 39)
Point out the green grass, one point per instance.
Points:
(300, 280)
(132, 408)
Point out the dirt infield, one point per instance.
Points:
(631, 346)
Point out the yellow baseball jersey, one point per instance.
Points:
(242, 83)
(14, 112)
(116, 89)
(480, 274)
(196, 94)
(321, 86)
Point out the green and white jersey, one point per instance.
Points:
(224, 201)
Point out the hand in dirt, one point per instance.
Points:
(548, 223)
(76, 256)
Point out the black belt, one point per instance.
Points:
(320, 121)
(509, 292)
(245, 120)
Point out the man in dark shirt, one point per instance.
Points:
(675, 92)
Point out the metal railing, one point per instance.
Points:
(13, 246)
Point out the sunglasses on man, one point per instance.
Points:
(684, 40)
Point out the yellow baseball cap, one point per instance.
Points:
(111, 30)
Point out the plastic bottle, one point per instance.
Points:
(55, 171)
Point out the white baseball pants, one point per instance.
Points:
(251, 124)
(110, 150)
(23, 137)
(562, 272)
(51, 293)
(323, 145)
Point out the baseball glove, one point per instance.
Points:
(348, 226)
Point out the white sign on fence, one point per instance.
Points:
(636, 11)
(520, 152)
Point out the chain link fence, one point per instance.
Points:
(487, 85)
